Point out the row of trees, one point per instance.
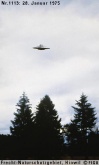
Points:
(40, 134)
(39, 131)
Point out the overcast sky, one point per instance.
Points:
(68, 68)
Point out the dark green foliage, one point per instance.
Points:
(47, 129)
(83, 123)
(72, 133)
(84, 117)
(38, 136)
(23, 120)
(79, 129)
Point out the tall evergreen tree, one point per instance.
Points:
(84, 120)
(23, 121)
(48, 127)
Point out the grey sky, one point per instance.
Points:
(70, 67)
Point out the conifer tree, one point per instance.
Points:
(23, 121)
(84, 121)
(48, 127)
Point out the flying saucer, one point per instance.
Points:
(40, 47)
